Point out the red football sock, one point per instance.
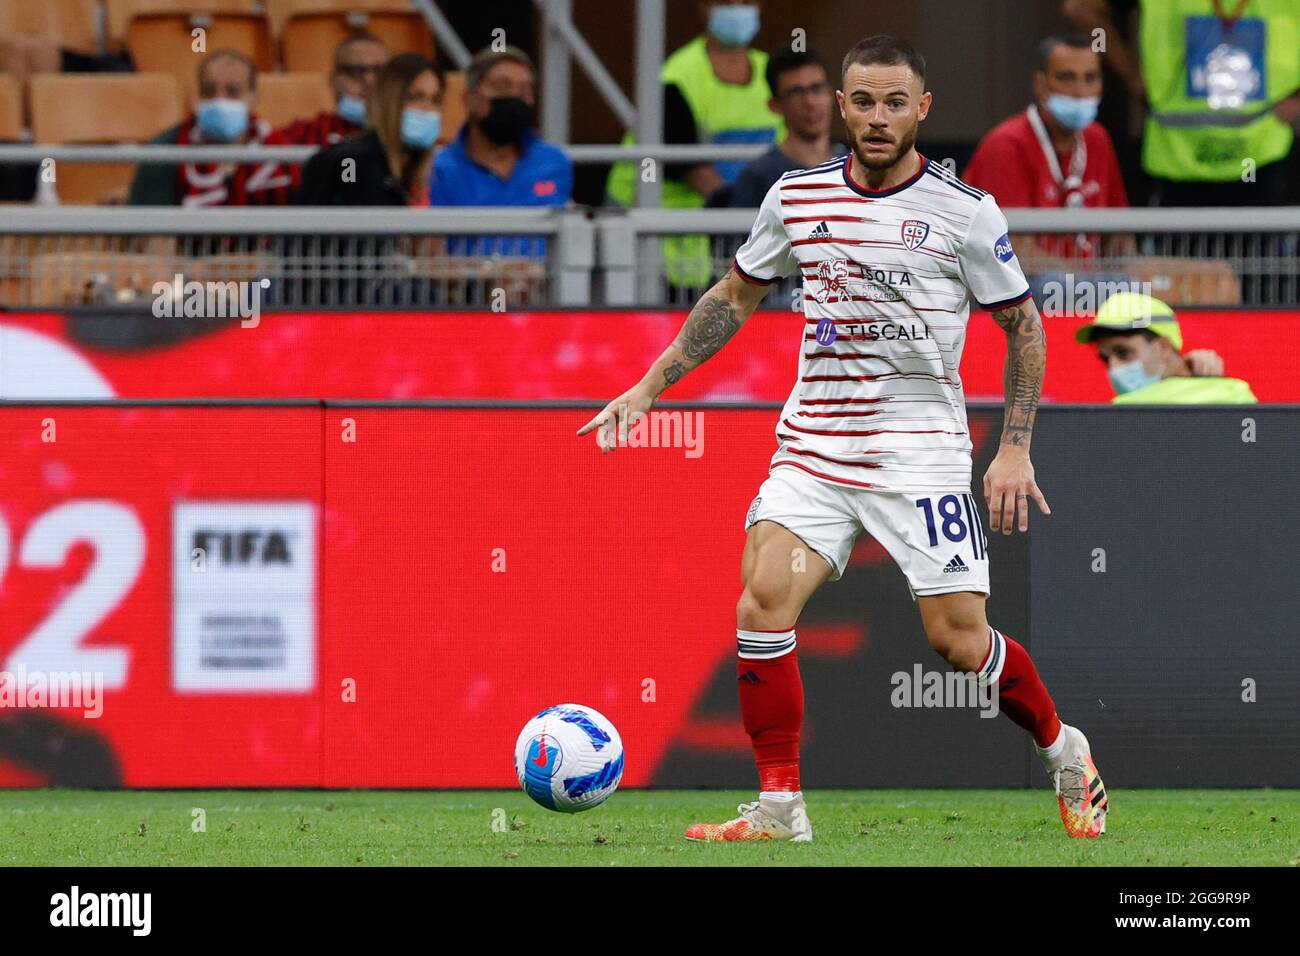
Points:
(771, 704)
(1022, 696)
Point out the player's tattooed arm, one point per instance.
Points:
(1023, 375)
(716, 317)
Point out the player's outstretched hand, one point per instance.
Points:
(1008, 486)
(611, 422)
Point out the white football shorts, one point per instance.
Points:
(936, 539)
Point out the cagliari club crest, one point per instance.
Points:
(914, 233)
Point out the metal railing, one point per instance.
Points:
(489, 258)
(1204, 256)
(168, 153)
(500, 258)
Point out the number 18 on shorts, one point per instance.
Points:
(935, 538)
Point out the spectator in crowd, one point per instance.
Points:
(1222, 85)
(715, 91)
(388, 164)
(1054, 153)
(1123, 100)
(803, 97)
(357, 61)
(497, 158)
(1139, 340)
(223, 116)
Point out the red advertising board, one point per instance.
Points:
(355, 597)
(594, 354)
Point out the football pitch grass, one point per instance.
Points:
(504, 828)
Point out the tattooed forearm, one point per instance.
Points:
(1023, 376)
(673, 373)
(711, 323)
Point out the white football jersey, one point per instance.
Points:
(888, 281)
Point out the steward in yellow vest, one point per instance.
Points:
(714, 92)
(1222, 81)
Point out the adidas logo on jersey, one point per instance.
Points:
(821, 232)
(956, 565)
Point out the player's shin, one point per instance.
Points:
(1022, 695)
(771, 706)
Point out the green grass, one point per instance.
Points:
(852, 827)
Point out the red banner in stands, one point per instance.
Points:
(531, 355)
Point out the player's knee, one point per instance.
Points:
(762, 605)
(960, 639)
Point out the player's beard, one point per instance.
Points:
(877, 161)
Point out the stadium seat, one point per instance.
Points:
(101, 108)
(120, 13)
(11, 110)
(285, 97)
(279, 11)
(162, 42)
(308, 40)
(70, 23)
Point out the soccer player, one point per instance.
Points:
(892, 249)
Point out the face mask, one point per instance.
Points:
(733, 24)
(508, 119)
(1130, 377)
(352, 109)
(223, 120)
(1073, 112)
(420, 129)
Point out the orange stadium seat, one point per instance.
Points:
(308, 40)
(70, 23)
(11, 110)
(121, 12)
(280, 10)
(101, 108)
(285, 97)
(163, 42)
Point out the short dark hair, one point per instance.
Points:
(884, 50)
(358, 36)
(787, 60)
(217, 56)
(1076, 41)
(485, 59)
(1099, 334)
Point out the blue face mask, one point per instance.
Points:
(222, 120)
(1073, 112)
(1130, 377)
(420, 129)
(733, 24)
(352, 109)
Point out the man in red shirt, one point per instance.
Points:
(357, 61)
(1054, 154)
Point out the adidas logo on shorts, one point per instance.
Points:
(821, 232)
(955, 565)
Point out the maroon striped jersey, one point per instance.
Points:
(889, 278)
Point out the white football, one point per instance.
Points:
(569, 758)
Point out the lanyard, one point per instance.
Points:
(1229, 20)
(1078, 159)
